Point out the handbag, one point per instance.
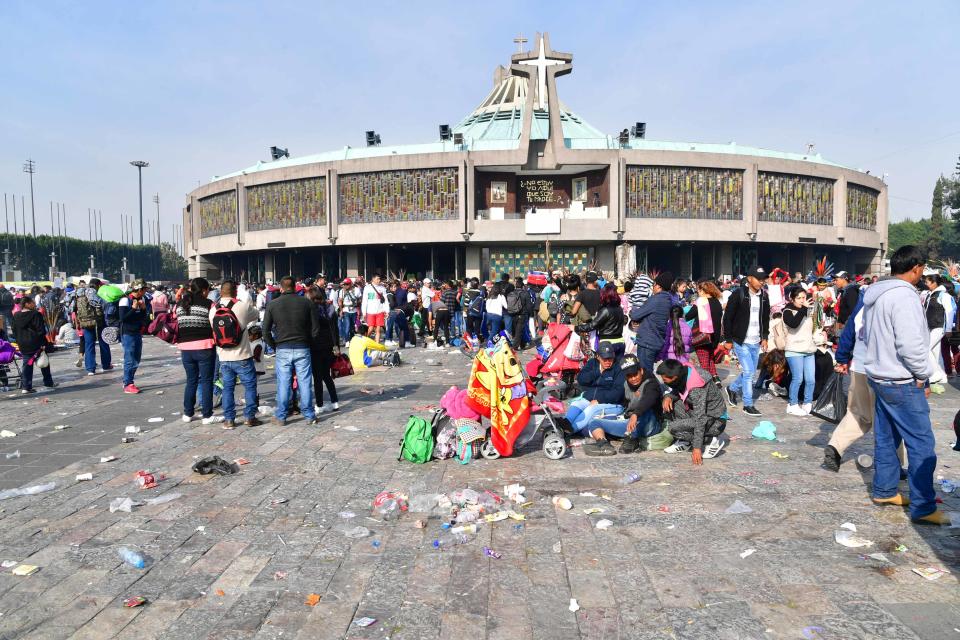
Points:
(699, 339)
(341, 367)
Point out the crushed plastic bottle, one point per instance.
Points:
(15, 454)
(466, 528)
(133, 558)
(355, 533)
(123, 504)
(449, 540)
(424, 503)
(27, 491)
(630, 478)
(167, 497)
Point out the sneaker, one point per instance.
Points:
(390, 343)
(336, 406)
(629, 445)
(752, 411)
(91, 373)
(714, 447)
(731, 396)
(79, 362)
(599, 448)
(806, 408)
(213, 420)
(831, 459)
(186, 418)
(253, 422)
(107, 368)
(229, 425)
(323, 409)
(409, 345)
(131, 388)
(52, 385)
(24, 392)
(679, 446)
(794, 410)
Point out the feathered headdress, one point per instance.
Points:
(822, 268)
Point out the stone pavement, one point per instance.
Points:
(229, 562)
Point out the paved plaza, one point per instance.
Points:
(240, 556)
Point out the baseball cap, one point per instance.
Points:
(841, 274)
(629, 365)
(757, 272)
(427, 281)
(606, 350)
(138, 284)
(347, 281)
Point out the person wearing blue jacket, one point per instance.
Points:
(133, 318)
(897, 364)
(653, 316)
(601, 380)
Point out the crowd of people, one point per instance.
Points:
(650, 346)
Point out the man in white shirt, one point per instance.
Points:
(237, 362)
(375, 306)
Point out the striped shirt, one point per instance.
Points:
(642, 288)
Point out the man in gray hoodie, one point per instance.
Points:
(894, 333)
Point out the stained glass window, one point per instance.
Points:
(523, 260)
(218, 214)
(282, 205)
(684, 192)
(396, 196)
(861, 206)
(783, 197)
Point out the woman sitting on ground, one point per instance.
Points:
(640, 418)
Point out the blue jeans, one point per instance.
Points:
(647, 425)
(581, 413)
(347, 325)
(456, 325)
(647, 357)
(903, 415)
(132, 352)
(27, 375)
(802, 371)
(508, 324)
(90, 339)
(494, 325)
(198, 364)
(247, 372)
(289, 361)
(748, 355)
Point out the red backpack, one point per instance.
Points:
(227, 331)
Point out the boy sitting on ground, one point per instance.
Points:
(641, 418)
(693, 409)
(365, 352)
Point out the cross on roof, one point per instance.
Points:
(520, 41)
(541, 62)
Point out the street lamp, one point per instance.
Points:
(140, 164)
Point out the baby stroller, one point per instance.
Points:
(555, 372)
(542, 420)
(10, 374)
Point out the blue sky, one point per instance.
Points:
(203, 88)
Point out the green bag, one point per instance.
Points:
(110, 292)
(660, 441)
(417, 443)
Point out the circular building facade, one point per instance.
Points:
(522, 182)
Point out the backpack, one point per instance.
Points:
(936, 314)
(553, 303)
(164, 326)
(529, 302)
(475, 309)
(392, 359)
(227, 331)
(86, 312)
(417, 443)
(514, 303)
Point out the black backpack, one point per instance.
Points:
(227, 331)
(514, 302)
(936, 314)
(475, 308)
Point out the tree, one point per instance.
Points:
(934, 240)
(951, 193)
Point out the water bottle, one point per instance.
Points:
(630, 478)
(449, 540)
(389, 510)
(464, 528)
(133, 558)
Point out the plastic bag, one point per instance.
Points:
(832, 403)
(765, 430)
(27, 491)
(660, 441)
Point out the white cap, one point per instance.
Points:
(427, 281)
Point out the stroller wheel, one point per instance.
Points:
(554, 446)
(489, 451)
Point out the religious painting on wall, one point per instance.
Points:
(862, 207)
(218, 214)
(579, 190)
(684, 192)
(498, 193)
(399, 196)
(283, 205)
(783, 197)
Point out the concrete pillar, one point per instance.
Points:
(201, 267)
(473, 261)
(241, 214)
(750, 199)
(194, 224)
(270, 266)
(333, 203)
(725, 260)
(840, 207)
(353, 262)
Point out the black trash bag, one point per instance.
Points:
(215, 464)
(832, 403)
